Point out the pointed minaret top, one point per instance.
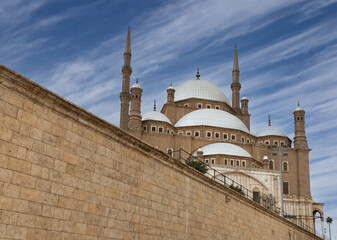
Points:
(269, 122)
(154, 105)
(136, 80)
(128, 42)
(236, 60)
(298, 104)
(198, 75)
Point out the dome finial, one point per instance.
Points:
(198, 75)
(154, 105)
(171, 84)
(136, 80)
(269, 122)
(298, 104)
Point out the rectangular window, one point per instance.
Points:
(206, 160)
(282, 143)
(145, 128)
(225, 161)
(238, 163)
(225, 136)
(213, 160)
(242, 139)
(243, 163)
(285, 188)
(209, 134)
(217, 135)
(232, 162)
(199, 105)
(153, 128)
(248, 141)
(196, 134)
(256, 196)
(274, 153)
(233, 137)
(188, 133)
(160, 129)
(168, 130)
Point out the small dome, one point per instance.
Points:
(265, 157)
(270, 131)
(225, 149)
(202, 90)
(155, 116)
(170, 87)
(244, 98)
(213, 118)
(299, 109)
(136, 85)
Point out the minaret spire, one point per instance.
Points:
(125, 94)
(128, 42)
(269, 122)
(154, 105)
(236, 86)
(236, 60)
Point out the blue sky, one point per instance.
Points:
(287, 53)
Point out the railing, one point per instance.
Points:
(230, 183)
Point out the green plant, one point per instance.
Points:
(198, 165)
(268, 201)
(236, 188)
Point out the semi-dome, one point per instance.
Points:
(224, 149)
(213, 118)
(200, 89)
(155, 116)
(270, 131)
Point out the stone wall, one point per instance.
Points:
(66, 174)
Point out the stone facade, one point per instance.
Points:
(66, 174)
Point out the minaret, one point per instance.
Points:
(125, 94)
(244, 110)
(236, 86)
(300, 140)
(170, 94)
(135, 117)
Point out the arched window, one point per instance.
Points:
(271, 165)
(285, 166)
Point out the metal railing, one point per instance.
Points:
(186, 157)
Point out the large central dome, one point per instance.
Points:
(200, 89)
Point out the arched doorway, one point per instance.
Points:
(318, 215)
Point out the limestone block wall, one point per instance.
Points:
(66, 174)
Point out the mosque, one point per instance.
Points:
(199, 118)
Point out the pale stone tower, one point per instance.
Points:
(244, 111)
(300, 140)
(135, 117)
(125, 94)
(236, 86)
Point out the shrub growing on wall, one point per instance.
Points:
(198, 165)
